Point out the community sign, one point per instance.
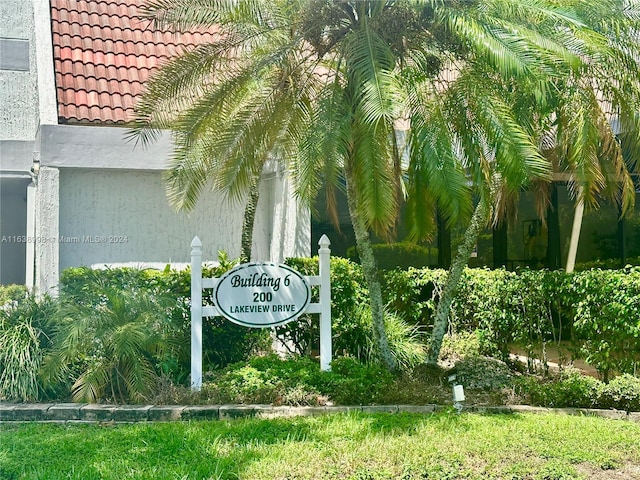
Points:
(262, 295)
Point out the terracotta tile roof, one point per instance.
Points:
(103, 53)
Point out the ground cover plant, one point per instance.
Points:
(25, 330)
(441, 446)
(298, 381)
(572, 389)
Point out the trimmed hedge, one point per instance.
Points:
(598, 311)
(573, 389)
(12, 294)
(223, 342)
(352, 329)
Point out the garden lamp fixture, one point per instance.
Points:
(458, 393)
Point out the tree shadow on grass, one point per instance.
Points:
(172, 450)
(190, 450)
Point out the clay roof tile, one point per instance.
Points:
(95, 111)
(88, 71)
(82, 112)
(102, 53)
(98, 55)
(102, 85)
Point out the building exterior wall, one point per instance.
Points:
(110, 187)
(19, 119)
(82, 146)
(91, 184)
(290, 224)
(18, 86)
(115, 216)
(47, 230)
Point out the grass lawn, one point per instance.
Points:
(354, 446)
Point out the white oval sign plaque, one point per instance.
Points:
(262, 295)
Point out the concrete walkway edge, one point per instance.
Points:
(105, 413)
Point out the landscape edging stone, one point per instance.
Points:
(109, 413)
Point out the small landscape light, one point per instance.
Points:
(458, 392)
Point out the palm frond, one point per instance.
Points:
(183, 15)
(437, 165)
(323, 140)
(372, 169)
(516, 154)
(370, 68)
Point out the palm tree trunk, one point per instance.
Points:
(249, 220)
(370, 270)
(478, 221)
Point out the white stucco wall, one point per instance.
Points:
(18, 89)
(113, 207)
(47, 97)
(47, 231)
(111, 216)
(290, 225)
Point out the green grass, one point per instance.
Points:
(355, 446)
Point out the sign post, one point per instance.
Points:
(325, 303)
(196, 313)
(259, 295)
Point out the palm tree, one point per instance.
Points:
(109, 347)
(566, 113)
(278, 86)
(325, 85)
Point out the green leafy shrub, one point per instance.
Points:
(12, 293)
(459, 345)
(266, 379)
(487, 301)
(607, 318)
(25, 331)
(570, 389)
(576, 390)
(295, 381)
(598, 311)
(573, 389)
(608, 264)
(622, 393)
(482, 373)
(413, 293)
(354, 383)
(223, 342)
(244, 384)
(351, 325)
(112, 346)
(401, 255)
(481, 303)
(348, 293)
